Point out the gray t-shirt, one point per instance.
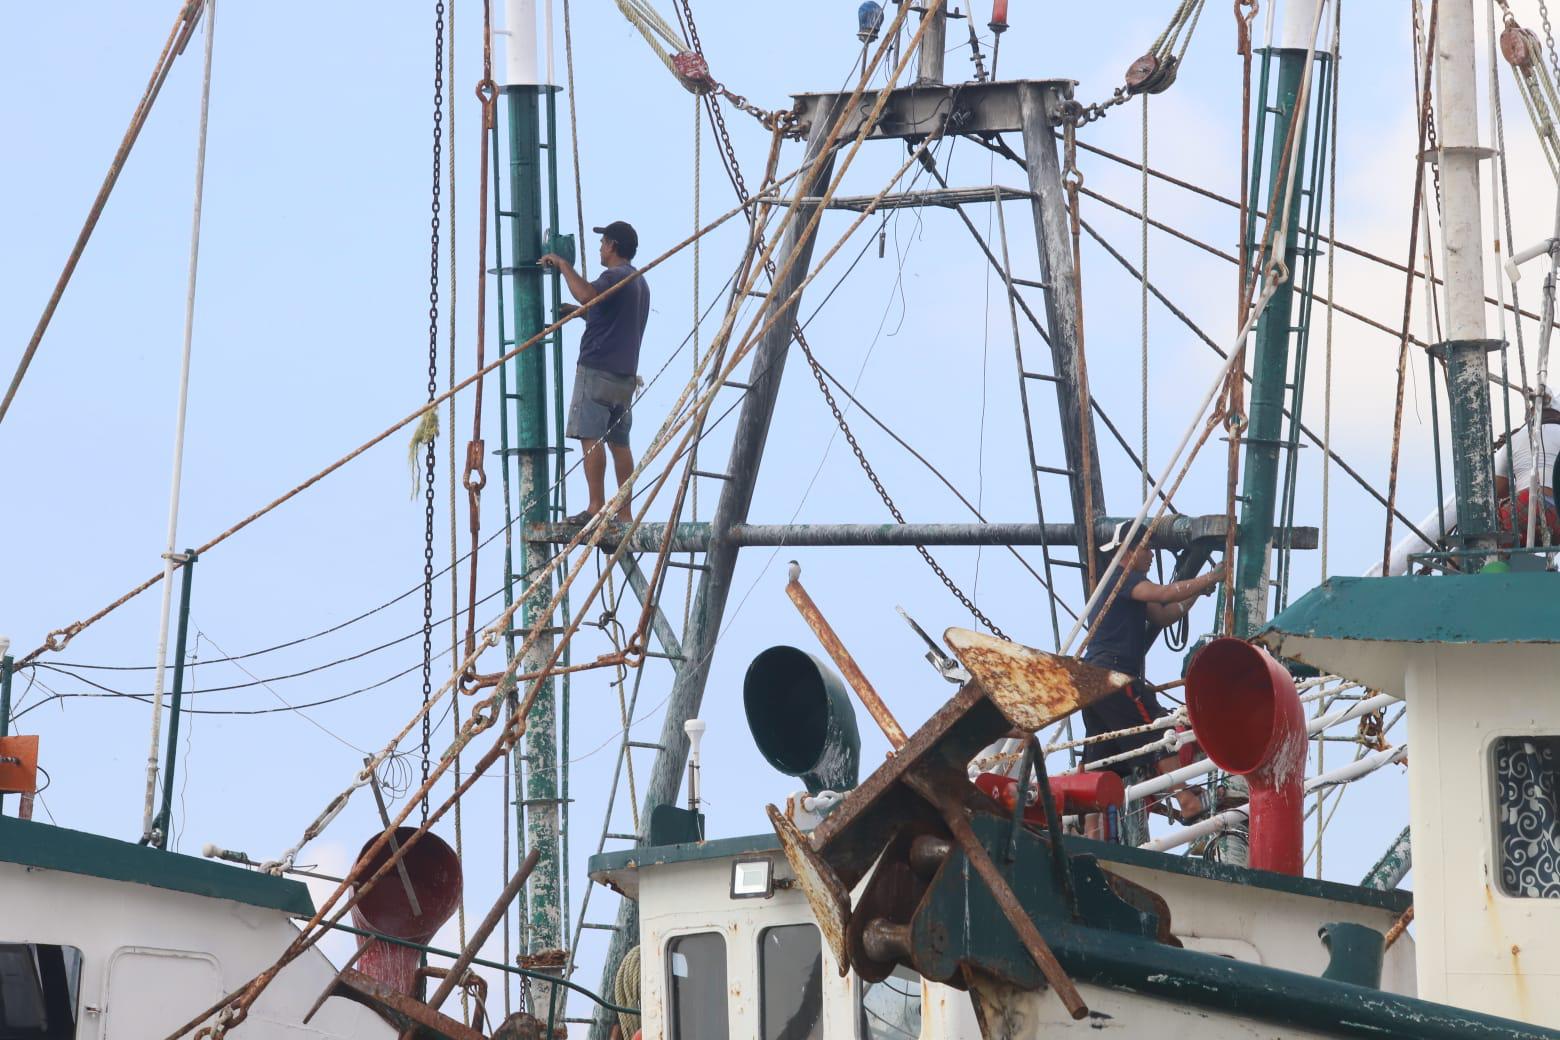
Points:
(614, 327)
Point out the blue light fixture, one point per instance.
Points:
(869, 19)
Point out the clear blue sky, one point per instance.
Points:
(311, 335)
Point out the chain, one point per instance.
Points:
(734, 169)
(1077, 114)
(1431, 141)
(1549, 38)
(429, 457)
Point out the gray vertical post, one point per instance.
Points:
(709, 605)
(1061, 299)
(929, 62)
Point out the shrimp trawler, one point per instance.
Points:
(990, 876)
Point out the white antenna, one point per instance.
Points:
(695, 729)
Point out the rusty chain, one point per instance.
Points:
(738, 182)
(430, 457)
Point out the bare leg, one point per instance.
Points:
(595, 475)
(623, 468)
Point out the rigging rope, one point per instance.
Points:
(178, 38)
(574, 138)
(1332, 250)
(1143, 302)
(1408, 291)
(453, 256)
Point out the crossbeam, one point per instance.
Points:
(969, 108)
(1175, 533)
(947, 198)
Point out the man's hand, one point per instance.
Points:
(1220, 573)
(554, 260)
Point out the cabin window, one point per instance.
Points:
(1527, 816)
(891, 1009)
(790, 976)
(696, 974)
(39, 984)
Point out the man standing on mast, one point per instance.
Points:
(601, 409)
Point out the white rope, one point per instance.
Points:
(654, 29)
(149, 809)
(1143, 300)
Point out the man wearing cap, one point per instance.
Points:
(604, 381)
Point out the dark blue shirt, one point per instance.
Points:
(614, 327)
(1122, 634)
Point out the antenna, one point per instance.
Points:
(695, 729)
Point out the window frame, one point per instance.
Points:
(1493, 781)
(668, 941)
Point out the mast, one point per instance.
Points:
(537, 759)
(1466, 349)
(1270, 363)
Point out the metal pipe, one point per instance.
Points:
(929, 61)
(1393, 866)
(7, 667)
(178, 432)
(1176, 533)
(845, 662)
(478, 937)
(1462, 237)
(1175, 778)
(1270, 364)
(161, 825)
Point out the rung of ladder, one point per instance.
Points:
(1030, 282)
(1054, 562)
(599, 927)
(624, 837)
(736, 385)
(688, 566)
(646, 745)
(665, 657)
(1042, 376)
(1054, 470)
(712, 476)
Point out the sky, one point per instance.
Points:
(311, 335)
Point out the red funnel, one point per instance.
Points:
(1247, 717)
(434, 872)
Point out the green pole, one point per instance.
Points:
(539, 758)
(7, 666)
(1270, 369)
(160, 825)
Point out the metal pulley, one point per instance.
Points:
(693, 72)
(1152, 74)
(1519, 46)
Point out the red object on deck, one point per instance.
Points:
(1075, 793)
(1248, 719)
(435, 875)
(999, 14)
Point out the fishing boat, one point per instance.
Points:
(980, 873)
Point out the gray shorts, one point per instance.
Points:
(601, 408)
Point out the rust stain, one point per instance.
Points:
(825, 893)
(1032, 688)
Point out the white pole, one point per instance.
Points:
(520, 43)
(178, 434)
(1238, 815)
(1175, 778)
(1457, 124)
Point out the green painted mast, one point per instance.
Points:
(528, 444)
(1270, 363)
